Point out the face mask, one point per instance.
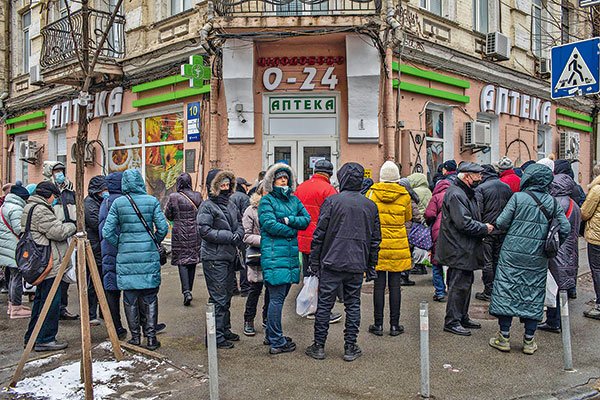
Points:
(59, 178)
(105, 195)
(284, 188)
(54, 202)
(474, 184)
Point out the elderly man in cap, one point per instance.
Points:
(460, 247)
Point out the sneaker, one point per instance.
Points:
(335, 317)
(18, 312)
(232, 337)
(548, 328)
(160, 328)
(225, 344)
(249, 328)
(288, 347)
(50, 346)
(66, 315)
(287, 339)
(351, 352)
(483, 296)
(500, 342)
(529, 346)
(94, 322)
(316, 351)
(310, 316)
(594, 313)
(439, 298)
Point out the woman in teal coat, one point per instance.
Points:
(520, 282)
(281, 216)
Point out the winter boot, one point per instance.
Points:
(529, 346)
(249, 328)
(351, 352)
(132, 313)
(594, 313)
(187, 298)
(151, 322)
(419, 269)
(316, 351)
(405, 281)
(500, 342)
(17, 312)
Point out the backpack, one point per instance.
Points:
(552, 243)
(33, 260)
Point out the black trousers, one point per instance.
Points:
(329, 283)
(147, 302)
(186, 276)
(241, 267)
(113, 298)
(64, 296)
(393, 281)
(460, 283)
(50, 325)
(219, 277)
(491, 254)
(306, 274)
(252, 302)
(594, 260)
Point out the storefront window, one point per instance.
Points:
(544, 142)
(434, 130)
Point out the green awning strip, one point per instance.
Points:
(442, 94)
(573, 114)
(567, 124)
(161, 98)
(432, 76)
(26, 128)
(26, 117)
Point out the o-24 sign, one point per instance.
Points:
(273, 76)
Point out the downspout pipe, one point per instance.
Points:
(5, 169)
(390, 114)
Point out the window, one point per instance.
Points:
(57, 145)
(434, 6)
(434, 132)
(536, 28)
(481, 16)
(565, 15)
(178, 6)
(21, 167)
(544, 142)
(26, 23)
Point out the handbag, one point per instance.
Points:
(33, 260)
(162, 252)
(552, 242)
(420, 236)
(253, 256)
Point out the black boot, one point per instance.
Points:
(419, 269)
(404, 281)
(151, 321)
(132, 313)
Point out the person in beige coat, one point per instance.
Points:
(590, 213)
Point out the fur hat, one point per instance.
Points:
(275, 170)
(505, 163)
(218, 178)
(389, 172)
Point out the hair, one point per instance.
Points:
(596, 171)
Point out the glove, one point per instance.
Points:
(371, 274)
(236, 238)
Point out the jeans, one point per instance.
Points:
(252, 302)
(594, 261)
(306, 274)
(460, 283)
(505, 322)
(329, 283)
(277, 295)
(186, 276)
(219, 277)
(491, 254)
(15, 287)
(438, 280)
(113, 298)
(393, 280)
(50, 326)
(147, 303)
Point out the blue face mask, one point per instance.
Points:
(54, 202)
(59, 178)
(105, 195)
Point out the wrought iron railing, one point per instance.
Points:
(60, 46)
(283, 8)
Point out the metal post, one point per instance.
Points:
(424, 328)
(566, 331)
(211, 339)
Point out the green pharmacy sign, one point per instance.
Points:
(303, 105)
(195, 71)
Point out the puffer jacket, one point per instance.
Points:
(182, 208)
(138, 261)
(395, 210)
(11, 209)
(109, 252)
(240, 198)
(511, 179)
(279, 241)
(47, 229)
(492, 195)
(520, 282)
(220, 225)
(433, 212)
(590, 212)
(419, 184)
(92, 215)
(250, 222)
(564, 167)
(312, 193)
(565, 265)
(459, 242)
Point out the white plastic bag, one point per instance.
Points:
(419, 255)
(70, 275)
(306, 302)
(551, 291)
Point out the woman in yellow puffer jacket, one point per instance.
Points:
(590, 212)
(393, 203)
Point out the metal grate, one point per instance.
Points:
(279, 8)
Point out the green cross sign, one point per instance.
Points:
(195, 71)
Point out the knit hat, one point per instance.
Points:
(31, 188)
(46, 189)
(548, 163)
(324, 166)
(450, 165)
(20, 191)
(280, 173)
(389, 172)
(225, 181)
(505, 163)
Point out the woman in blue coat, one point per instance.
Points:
(281, 216)
(138, 260)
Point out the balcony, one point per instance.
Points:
(297, 8)
(58, 60)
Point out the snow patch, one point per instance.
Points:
(42, 361)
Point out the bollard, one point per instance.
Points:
(424, 328)
(566, 331)
(211, 339)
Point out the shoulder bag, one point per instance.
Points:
(552, 243)
(161, 249)
(33, 260)
(190, 200)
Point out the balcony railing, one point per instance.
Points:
(59, 48)
(285, 8)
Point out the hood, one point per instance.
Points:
(441, 186)
(413, 195)
(210, 177)
(12, 198)
(97, 185)
(537, 177)
(184, 181)
(507, 172)
(388, 192)
(133, 182)
(366, 185)
(563, 167)
(215, 184)
(113, 182)
(255, 199)
(47, 169)
(270, 175)
(350, 177)
(418, 180)
(489, 172)
(562, 185)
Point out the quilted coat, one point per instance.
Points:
(109, 252)
(11, 209)
(92, 213)
(182, 210)
(312, 193)
(419, 184)
(433, 212)
(395, 210)
(279, 241)
(590, 212)
(250, 222)
(565, 265)
(138, 261)
(520, 282)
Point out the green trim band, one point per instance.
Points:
(26, 117)
(170, 80)
(567, 124)
(442, 94)
(432, 76)
(572, 114)
(161, 98)
(26, 128)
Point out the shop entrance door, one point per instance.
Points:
(302, 155)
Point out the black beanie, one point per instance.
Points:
(46, 189)
(20, 191)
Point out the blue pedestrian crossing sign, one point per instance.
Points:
(576, 69)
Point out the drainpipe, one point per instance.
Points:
(390, 115)
(213, 138)
(7, 73)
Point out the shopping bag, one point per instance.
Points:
(551, 291)
(306, 302)
(420, 236)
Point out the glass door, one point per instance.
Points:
(284, 151)
(309, 152)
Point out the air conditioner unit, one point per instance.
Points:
(497, 46)
(28, 152)
(544, 67)
(90, 154)
(569, 145)
(476, 134)
(35, 78)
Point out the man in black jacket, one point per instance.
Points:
(459, 246)
(345, 245)
(242, 201)
(492, 196)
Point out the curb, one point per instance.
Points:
(577, 393)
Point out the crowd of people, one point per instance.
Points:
(499, 218)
